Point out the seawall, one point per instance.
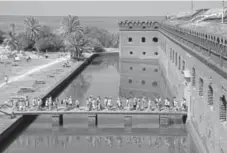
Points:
(19, 125)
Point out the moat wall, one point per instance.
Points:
(12, 132)
(206, 127)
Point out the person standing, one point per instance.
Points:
(127, 104)
(6, 79)
(134, 103)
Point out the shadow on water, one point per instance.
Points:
(12, 133)
(23, 123)
(105, 71)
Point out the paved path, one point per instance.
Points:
(17, 78)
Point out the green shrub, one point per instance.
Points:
(99, 49)
(52, 43)
(23, 42)
(1, 36)
(104, 37)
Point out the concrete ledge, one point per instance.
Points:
(127, 123)
(92, 120)
(11, 133)
(57, 120)
(101, 112)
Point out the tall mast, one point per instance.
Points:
(192, 6)
(223, 11)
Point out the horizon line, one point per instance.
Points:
(85, 15)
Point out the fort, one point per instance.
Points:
(190, 55)
(193, 57)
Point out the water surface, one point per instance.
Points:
(108, 76)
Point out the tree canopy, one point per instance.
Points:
(72, 36)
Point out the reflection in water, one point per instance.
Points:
(106, 77)
(171, 142)
(77, 88)
(142, 80)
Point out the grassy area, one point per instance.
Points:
(50, 76)
(9, 68)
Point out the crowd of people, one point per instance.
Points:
(96, 104)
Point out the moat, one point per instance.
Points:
(111, 77)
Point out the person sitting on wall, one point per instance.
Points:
(118, 103)
(143, 106)
(77, 103)
(105, 102)
(109, 103)
(149, 105)
(99, 106)
(88, 103)
(184, 105)
(127, 104)
(138, 104)
(167, 104)
(70, 101)
(134, 103)
(46, 103)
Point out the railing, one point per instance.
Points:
(216, 67)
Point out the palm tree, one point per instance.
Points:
(12, 28)
(32, 29)
(73, 33)
(71, 25)
(10, 38)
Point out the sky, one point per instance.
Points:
(101, 8)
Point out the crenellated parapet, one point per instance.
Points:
(214, 41)
(137, 25)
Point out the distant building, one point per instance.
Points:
(138, 40)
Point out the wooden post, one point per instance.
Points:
(61, 119)
(128, 123)
(57, 120)
(93, 120)
(163, 120)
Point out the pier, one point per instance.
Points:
(58, 120)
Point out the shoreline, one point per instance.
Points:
(26, 120)
(5, 120)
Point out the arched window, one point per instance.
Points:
(222, 112)
(193, 77)
(154, 84)
(210, 95)
(143, 39)
(173, 56)
(218, 40)
(200, 87)
(183, 65)
(171, 53)
(179, 66)
(155, 39)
